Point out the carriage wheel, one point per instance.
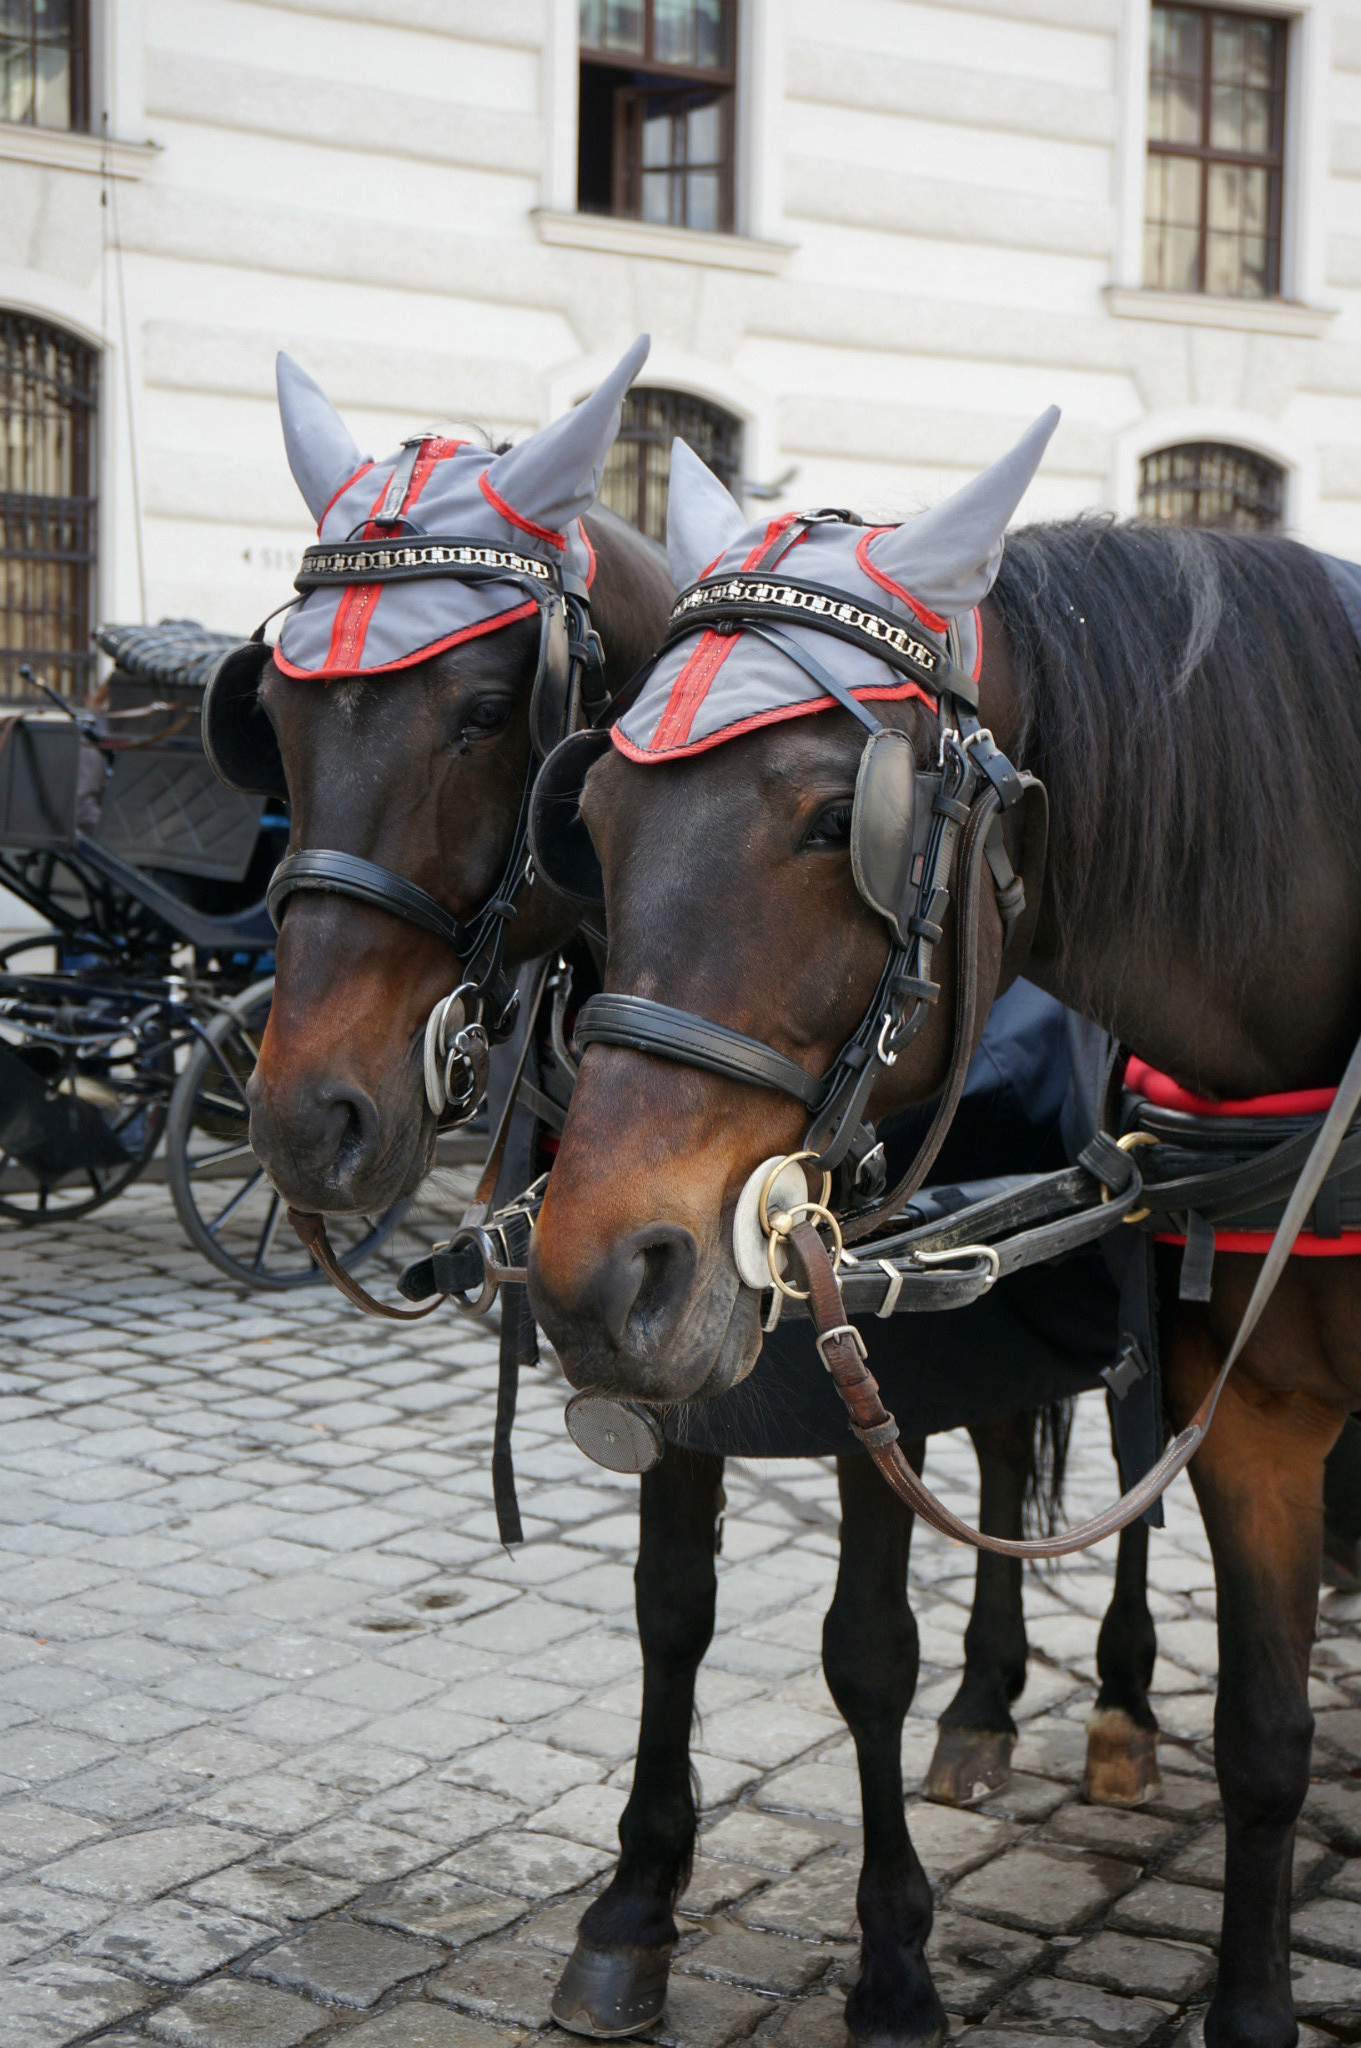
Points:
(228, 1208)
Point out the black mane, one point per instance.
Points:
(1193, 702)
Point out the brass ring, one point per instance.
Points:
(1127, 1144)
(781, 1227)
(790, 1159)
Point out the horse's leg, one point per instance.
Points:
(1122, 1734)
(1258, 1477)
(1342, 1509)
(615, 1981)
(976, 1732)
(869, 1654)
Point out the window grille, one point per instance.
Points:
(656, 116)
(48, 415)
(1216, 122)
(45, 63)
(1203, 484)
(639, 465)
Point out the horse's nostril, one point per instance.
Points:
(645, 1285)
(326, 1129)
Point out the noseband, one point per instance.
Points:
(568, 684)
(964, 799)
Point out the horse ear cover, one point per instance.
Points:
(241, 744)
(555, 475)
(949, 557)
(320, 447)
(702, 518)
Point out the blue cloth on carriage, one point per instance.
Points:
(1028, 1342)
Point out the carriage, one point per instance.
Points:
(129, 1021)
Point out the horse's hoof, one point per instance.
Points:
(970, 1764)
(1122, 1760)
(610, 1993)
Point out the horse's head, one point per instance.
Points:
(761, 868)
(404, 715)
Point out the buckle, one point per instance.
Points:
(852, 1336)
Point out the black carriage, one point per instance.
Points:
(130, 1021)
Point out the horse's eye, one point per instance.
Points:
(832, 825)
(486, 716)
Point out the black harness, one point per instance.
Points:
(568, 686)
(906, 831)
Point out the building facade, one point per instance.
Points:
(871, 240)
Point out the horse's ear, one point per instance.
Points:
(554, 476)
(949, 557)
(702, 519)
(321, 450)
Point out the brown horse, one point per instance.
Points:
(1192, 703)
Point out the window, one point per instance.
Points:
(1216, 119)
(1204, 484)
(656, 111)
(639, 464)
(44, 63)
(48, 387)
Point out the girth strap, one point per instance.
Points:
(345, 874)
(645, 1026)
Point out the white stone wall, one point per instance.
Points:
(939, 220)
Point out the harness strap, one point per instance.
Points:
(645, 1026)
(345, 874)
(843, 1353)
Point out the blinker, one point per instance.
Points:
(621, 1435)
(238, 739)
(558, 839)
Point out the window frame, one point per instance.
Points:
(1206, 155)
(645, 76)
(81, 73)
(1273, 477)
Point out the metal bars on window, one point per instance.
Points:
(638, 469)
(1216, 146)
(1205, 484)
(48, 527)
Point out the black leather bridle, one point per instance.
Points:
(973, 774)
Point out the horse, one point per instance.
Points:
(421, 768)
(1190, 702)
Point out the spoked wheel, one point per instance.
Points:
(229, 1210)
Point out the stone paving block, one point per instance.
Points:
(277, 1893)
(381, 1688)
(210, 1752)
(37, 1755)
(973, 1963)
(555, 1927)
(355, 1848)
(721, 1779)
(1335, 1809)
(714, 1884)
(816, 2022)
(431, 1732)
(528, 1773)
(534, 1866)
(1181, 1798)
(1346, 1883)
(751, 1837)
(1057, 2007)
(437, 1811)
(830, 1790)
(1181, 1912)
(704, 2015)
(231, 2012)
(950, 1840)
(1202, 1861)
(763, 1962)
(1321, 1989)
(291, 1720)
(272, 1802)
(173, 1940)
(1044, 1890)
(501, 1697)
(33, 1918)
(1152, 1969)
(1026, 1799)
(50, 2002)
(1340, 1730)
(1112, 1830)
(817, 1903)
(441, 1905)
(501, 1981)
(1330, 1925)
(141, 1866)
(1050, 1748)
(418, 2025)
(345, 1962)
(359, 1767)
(774, 1736)
(30, 1830)
(123, 1790)
(588, 1813)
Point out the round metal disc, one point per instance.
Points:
(621, 1435)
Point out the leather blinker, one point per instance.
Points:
(558, 839)
(238, 738)
(890, 822)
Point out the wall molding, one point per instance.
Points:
(1185, 309)
(618, 237)
(56, 149)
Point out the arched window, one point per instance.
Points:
(48, 405)
(1203, 483)
(639, 465)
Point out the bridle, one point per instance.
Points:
(568, 686)
(909, 869)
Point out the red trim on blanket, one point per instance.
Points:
(775, 717)
(498, 504)
(330, 675)
(1169, 1094)
(932, 620)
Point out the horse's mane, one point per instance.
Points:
(1193, 702)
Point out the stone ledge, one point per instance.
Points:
(617, 237)
(1186, 309)
(57, 149)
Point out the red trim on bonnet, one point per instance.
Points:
(498, 504)
(362, 470)
(977, 643)
(590, 552)
(930, 619)
(520, 611)
(349, 628)
(731, 732)
(691, 687)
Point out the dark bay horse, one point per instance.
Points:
(1193, 703)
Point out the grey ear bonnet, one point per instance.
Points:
(927, 574)
(528, 502)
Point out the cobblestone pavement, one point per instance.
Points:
(292, 1751)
